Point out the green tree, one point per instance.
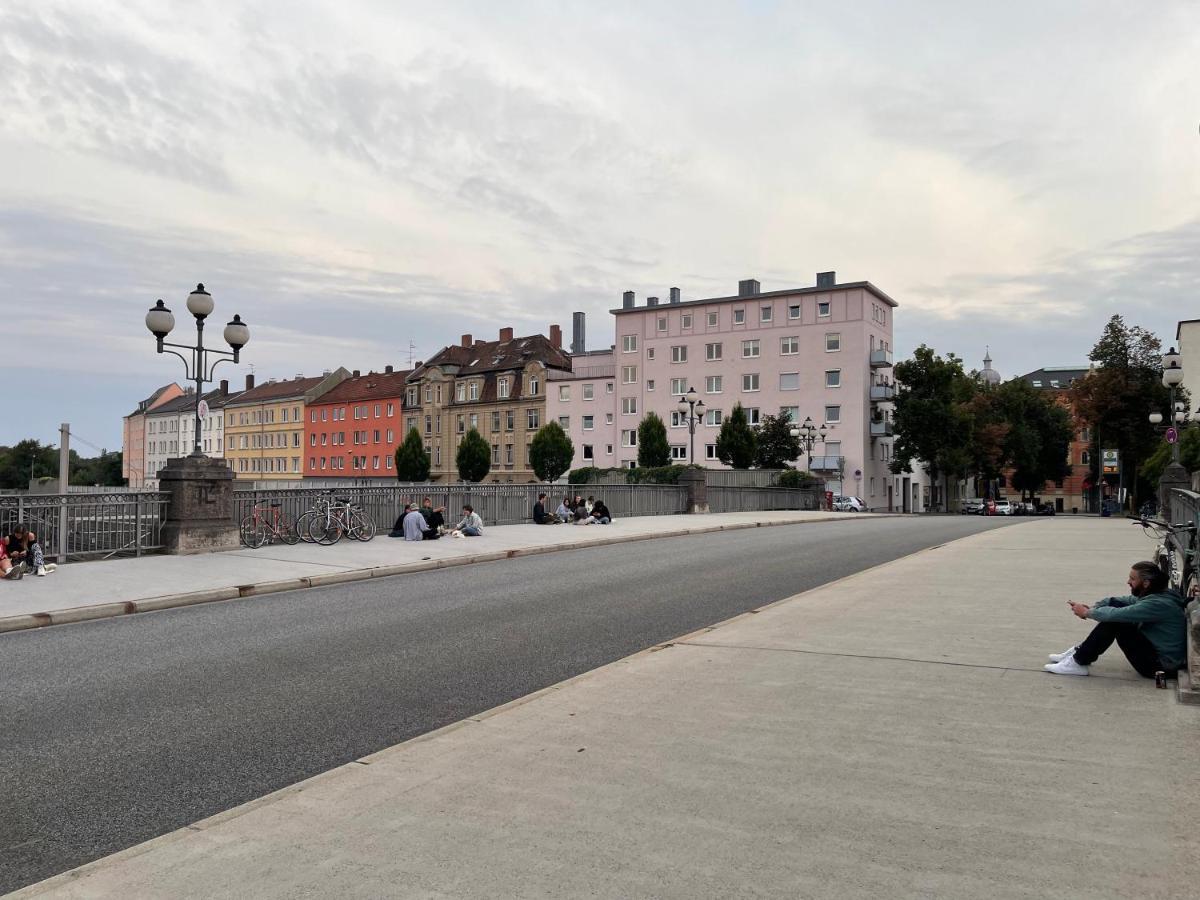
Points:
(25, 460)
(412, 462)
(1189, 454)
(551, 452)
(653, 449)
(104, 469)
(736, 442)
(474, 457)
(775, 446)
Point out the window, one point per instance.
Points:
(629, 343)
(833, 378)
(794, 311)
(474, 389)
(374, 462)
(712, 417)
(608, 387)
(532, 419)
(502, 388)
(387, 462)
(495, 420)
(685, 321)
(312, 416)
(678, 451)
(564, 422)
(510, 420)
(750, 349)
(589, 391)
(649, 353)
(678, 385)
(712, 351)
(752, 416)
(833, 342)
(474, 423)
(438, 394)
(589, 422)
(739, 317)
(608, 449)
(649, 384)
(750, 382)
(662, 323)
(629, 406)
(377, 409)
(588, 453)
(533, 386)
(312, 440)
(608, 418)
(678, 419)
(1084, 458)
(629, 437)
(376, 436)
(460, 392)
(823, 308)
(508, 454)
(712, 320)
(789, 346)
(462, 424)
(495, 454)
(564, 392)
(391, 436)
(791, 413)
(764, 314)
(628, 374)
(712, 384)
(833, 414)
(391, 409)
(679, 354)
(789, 381)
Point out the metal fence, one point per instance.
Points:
(497, 504)
(743, 477)
(88, 526)
(750, 499)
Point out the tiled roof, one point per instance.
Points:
(500, 356)
(372, 386)
(1054, 377)
(279, 390)
(216, 400)
(145, 404)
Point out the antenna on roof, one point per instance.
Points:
(412, 349)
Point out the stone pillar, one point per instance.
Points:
(1173, 476)
(696, 483)
(1189, 679)
(200, 510)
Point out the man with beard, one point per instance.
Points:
(1149, 626)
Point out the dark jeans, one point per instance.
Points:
(1135, 645)
(434, 521)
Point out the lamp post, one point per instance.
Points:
(808, 435)
(691, 408)
(161, 320)
(1172, 377)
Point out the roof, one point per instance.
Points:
(278, 390)
(143, 405)
(372, 386)
(1055, 377)
(498, 356)
(1182, 322)
(853, 285)
(187, 401)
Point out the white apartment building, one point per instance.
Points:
(170, 430)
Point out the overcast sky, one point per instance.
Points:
(353, 176)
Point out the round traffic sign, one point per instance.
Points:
(203, 408)
(1172, 435)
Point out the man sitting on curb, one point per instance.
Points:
(471, 525)
(540, 516)
(398, 528)
(600, 513)
(1149, 626)
(433, 518)
(416, 528)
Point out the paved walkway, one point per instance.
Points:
(889, 735)
(86, 590)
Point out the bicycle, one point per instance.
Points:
(341, 517)
(266, 525)
(1176, 557)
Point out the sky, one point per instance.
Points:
(359, 177)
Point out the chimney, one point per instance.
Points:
(674, 295)
(652, 301)
(466, 340)
(748, 287)
(506, 334)
(627, 300)
(356, 373)
(578, 341)
(387, 370)
(224, 387)
(556, 337)
(826, 279)
(250, 382)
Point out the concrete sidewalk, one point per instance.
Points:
(92, 590)
(891, 735)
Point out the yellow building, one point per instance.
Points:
(264, 426)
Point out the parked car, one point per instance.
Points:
(1002, 508)
(972, 506)
(1046, 509)
(1024, 509)
(848, 504)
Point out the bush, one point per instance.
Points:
(793, 478)
(655, 475)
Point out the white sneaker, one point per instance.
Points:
(51, 567)
(1059, 657)
(1066, 666)
(41, 570)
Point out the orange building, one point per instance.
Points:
(353, 430)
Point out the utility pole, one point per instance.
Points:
(64, 474)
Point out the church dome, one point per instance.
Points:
(989, 375)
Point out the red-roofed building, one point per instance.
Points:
(353, 430)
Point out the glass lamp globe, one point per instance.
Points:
(200, 302)
(160, 320)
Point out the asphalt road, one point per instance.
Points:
(116, 731)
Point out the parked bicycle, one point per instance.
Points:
(266, 525)
(339, 517)
(1176, 551)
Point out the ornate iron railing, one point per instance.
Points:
(88, 526)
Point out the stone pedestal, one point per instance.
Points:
(200, 511)
(696, 483)
(1189, 689)
(1173, 476)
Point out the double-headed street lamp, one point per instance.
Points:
(691, 410)
(1172, 377)
(808, 434)
(161, 320)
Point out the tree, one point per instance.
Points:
(412, 462)
(104, 469)
(551, 452)
(1037, 435)
(26, 460)
(775, 446)
(653, 449)
(736, 441)
(1189, 454)
(474, 457)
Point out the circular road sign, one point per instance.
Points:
(203, 408)
(1172, 435)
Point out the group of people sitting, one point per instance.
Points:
(577, 511)
(20, 553)
(426, 522)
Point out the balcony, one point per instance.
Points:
(881, 393)
(825, 463)
(881, 359)
(882, 428)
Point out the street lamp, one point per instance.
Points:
(691, 409)
(808, 435)
(161, 320)
(1172, 376)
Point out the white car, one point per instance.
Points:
(1004, 508)
(849, 504)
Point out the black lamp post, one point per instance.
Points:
(692, 410)
(808, 435)
(161, 320)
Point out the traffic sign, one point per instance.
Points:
(203, 408)
(1172, 435)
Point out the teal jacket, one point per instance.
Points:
(1160, 617)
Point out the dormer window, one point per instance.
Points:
(533, 385)
(474, 390)
(502, 388)
(460, 391)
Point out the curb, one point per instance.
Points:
(76, 614)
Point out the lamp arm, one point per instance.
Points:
(225, 357)
(187, 367)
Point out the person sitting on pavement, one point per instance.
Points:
(416, 528)
(600, 513)
(564, 511)
(471, 525)
(1149, 626)
(398, 529)
(581, 515)
(433, 518)
(25, 550)
(7, 569)
(540, 516)
(590, 502)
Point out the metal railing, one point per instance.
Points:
(742, 477)
(751, 499)
(88, 526)
(826, 463)
(880, 358)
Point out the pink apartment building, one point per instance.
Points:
(822, 352)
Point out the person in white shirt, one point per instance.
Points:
(471, 525)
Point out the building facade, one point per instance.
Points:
(1076, 490)
(169, 429)
(353, 430)
(583, 401)
(133, 436)
(264, 426)
(496, 387)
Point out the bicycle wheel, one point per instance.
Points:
(252, 532)
(288, 533)
(302, 526)
(326, 530)
(362, 526)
